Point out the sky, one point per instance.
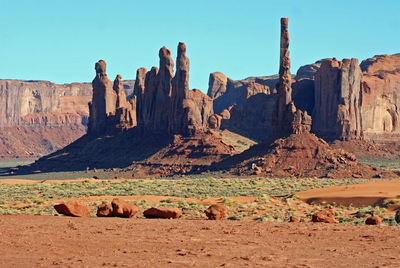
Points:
(60, 41)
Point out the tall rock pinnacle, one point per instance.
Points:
(103, 100)
(287, 119)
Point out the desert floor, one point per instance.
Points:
(29, 241)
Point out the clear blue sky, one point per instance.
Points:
(60, 41)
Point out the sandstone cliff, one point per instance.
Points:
(380, 109)
(39, 117)
(338, 100)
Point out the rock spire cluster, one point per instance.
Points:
(109, 107)
(164, 102)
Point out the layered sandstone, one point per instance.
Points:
(380, 109)
(338, 100)
(38, 117)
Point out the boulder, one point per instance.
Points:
(325, 216)
(163, 213)
(72, 208)
(216, 212)
(104, 210)
(294, 219)
(373, 220)
(123, 209)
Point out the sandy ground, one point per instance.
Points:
(363, 194)
(31, 241)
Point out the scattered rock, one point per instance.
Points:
(104, 210)
(123, 209)
(373, 220)
(216, 212)
(326, 216)
(72, 208)
(163, 213)
(294, 219)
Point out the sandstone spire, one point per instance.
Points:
(120, 91)
(287, 119)
(103, 100)
(285, 79)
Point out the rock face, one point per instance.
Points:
(227, 92)
(163, 213)
(380, 109)
(38, 117)
(287, 119)
(338, 100)
(216, 212)
(72, 208)
(165, 103)
(217, 85)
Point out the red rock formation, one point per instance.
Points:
(103, 101)
(123, 208)
(166, 105)
(338, 100)
(104, 210)
(325, 216)
(72, 208)
(125, 113)
(163, 213)
(380, 110)
(38, 117)
(373, 220)
(217, 85)
(286, 118)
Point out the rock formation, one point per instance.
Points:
(325, 216)
(338, 100)
(380, 110)
(38, 117)
(227, 92)
(104, 210)
(216, 212)
(103, 102)
(217, 85)
(299, 155)
(165, 103)
(286, 118)
(125, 113)
(72, 208)
(124, 209)
(109, 108)
(163, 213)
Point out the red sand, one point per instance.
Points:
(30, 241)
(363, 194)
